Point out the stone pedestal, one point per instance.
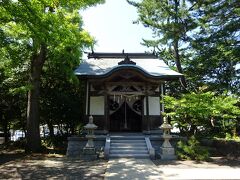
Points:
(89, 153)
(167, 153)
(74, 147)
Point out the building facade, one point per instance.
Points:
(123, 90)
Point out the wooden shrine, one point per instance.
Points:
(123, 90)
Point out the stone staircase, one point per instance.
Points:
(128, 146)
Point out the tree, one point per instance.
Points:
(202, 35)
(44, 27)
(13, 86)
(216, 46)
(171, 21)
(199, 113)
(61, 100)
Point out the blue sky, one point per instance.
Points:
(111, 25)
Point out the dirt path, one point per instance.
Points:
(51, 167)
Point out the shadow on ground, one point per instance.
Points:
(45, 167)
(213, 162)
(4, 158)
(130, 168)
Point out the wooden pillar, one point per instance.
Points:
(161, 108)
(88, 100)
(106, 111)
(143, 118)
(147, 109)
(162, 94)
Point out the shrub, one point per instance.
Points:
(192, 150)
(55, 142)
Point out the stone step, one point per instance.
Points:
(127, 141)
(128, 151)
(129, 147)
(127, 137)
(129, 155)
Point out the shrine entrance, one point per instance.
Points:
(127, 116)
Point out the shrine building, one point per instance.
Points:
(123, 90)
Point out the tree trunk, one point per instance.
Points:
(4, 124)
(192, 130)
(33, 116)
(176, 45)
(178, 63)
(50, 127)
(6, 131)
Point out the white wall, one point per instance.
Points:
(154, 105)
(97, 105)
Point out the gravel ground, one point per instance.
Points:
(17, 165)
(218, 168)
(216, 162)
(40, 166)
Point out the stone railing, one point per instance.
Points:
(107, 147)
(151, 150)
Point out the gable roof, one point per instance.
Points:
(104, 64)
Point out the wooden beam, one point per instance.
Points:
(162, 94)
(106, 111)
(122, 55)
(147, 108)
(126, 93)
(143, 125)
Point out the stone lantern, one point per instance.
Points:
(89, 149)
(167, 152)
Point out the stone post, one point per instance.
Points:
(89, 150)
(167, 152)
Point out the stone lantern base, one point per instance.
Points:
(89, 153)
(167, 153)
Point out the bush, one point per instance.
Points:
(56, 142)
(206, 114)
(192, 150)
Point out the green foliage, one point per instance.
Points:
(55, 142)
(203, 113)
(192, 150)
(171, 23)
(230, 137)
(37, 37)
(201, 37)
(79, 128)
(13, 145)
(168, 20)
(216, 46)
(62, 101)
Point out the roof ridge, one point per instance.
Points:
(98, 55)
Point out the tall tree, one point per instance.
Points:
(170, 21)
(43, 26)
(13, 85)
(202, 37)
(217, 46)
(61, 97)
